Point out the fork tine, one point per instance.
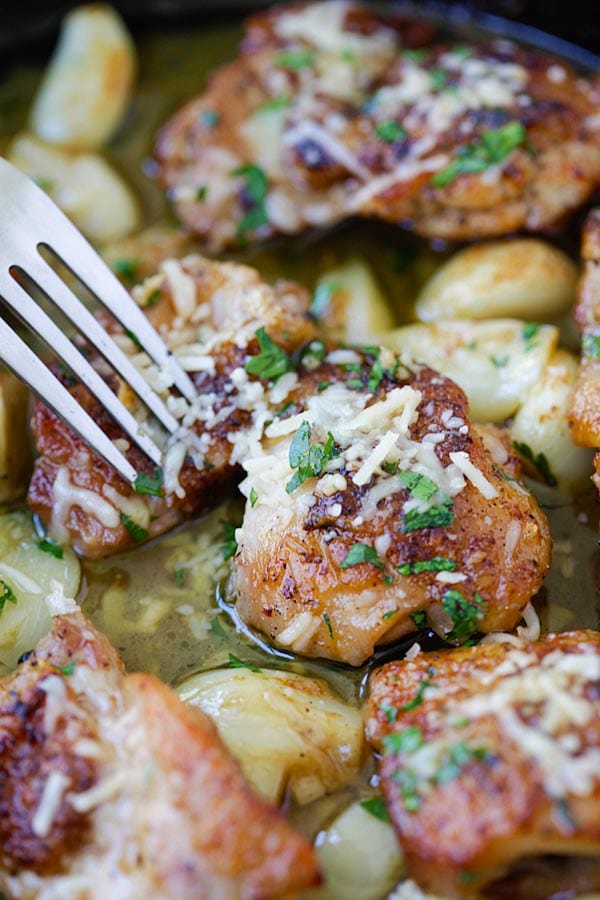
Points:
(61, 296)
(33, 316)
(31, 216)
(21, 360)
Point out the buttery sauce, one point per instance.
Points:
(165, 605)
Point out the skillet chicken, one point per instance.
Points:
(209, 314)
(453, 141)
(490, 759)
(379, 509)
(111, 787)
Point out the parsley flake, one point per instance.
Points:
(136, 531)
(272, 362)
(529, 333)
(322, 297)
(295, 59)
(47, 545)
(201, 192)
(127, 269)
(419, 618)
(464, 613)
(455, 759)
(149, 484)
(418, 698)
(255, 191)
(363, 553)
(68, 670)
(539, 461)
(390, 132)
(436, 564)
(308, 459)
(235, 663)
(591, 345)
(7, 595)
(179, 575)
(376, 807)
(420, 486)
(327, 621)
(279, 101)
(407, 741)
(492, 147)
(253, 498)
(435, 517)
(499, 361)
(229, 547)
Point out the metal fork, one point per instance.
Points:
(30, 220)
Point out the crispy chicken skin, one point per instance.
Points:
(584, 413)
(326, 114)
(391, 533)
(491, 756)
(208, 314)
(111, 787)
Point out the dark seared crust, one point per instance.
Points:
(286, 571)
(282, 309)
(182, 821)
(332, 154)
(496, 812)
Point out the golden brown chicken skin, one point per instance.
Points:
(491, 759)
(209, 314)
(317, 121)
(111, 787)
(584, 412)
(377, 509)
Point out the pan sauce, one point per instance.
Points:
(161, 604)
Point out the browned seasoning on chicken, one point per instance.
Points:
(375, 508)
(111, 787)
(213, 316)
(328, 112)
(490, 760)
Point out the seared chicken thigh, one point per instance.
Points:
(111, 787)
(378, 508)
(213, 316)
(491, 758)
(329, 112)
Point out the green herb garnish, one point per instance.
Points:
(435, 517)
(253, 497)
(390, 613)
(456, 757)
(376, 806)
(439, 78)
(294, 59)
(51, 547)
(272, 362)
(591, 345)
(127, 269)
(179, 577)
(229, 546)
(327, 621)
(7, 595)
(418, 698)
(279, 101)
(436, 564)
(68, 670)
(464, 613)
(419, 618)
(308, 459)
(407, 741)
(136, 531)
(149, 484)
(363, 553)
(321, 298)
(530, 330)
(389, 131)
(499, 361)
(538, 460)
(420, 486)
(201, 192)
(256, 188)
(235, 663)
(491, 148)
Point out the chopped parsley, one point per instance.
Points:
(201, 192)
(7, 595)
(255, 191)
(464, 613)
(295, 59)
(253, 498)
(407, 782)
(538, 460)
(363, 553)
(149, 484)
(418, 698)
(499, 361)
(376, 806)
(235, 663)
(210, 118)
(46, 184)
(407, 741)
(136, 531)
(436, 564)
(439, 78)
(378, 372)
(68, 670)
(127, 269)
(455, 759)
(419, 618)
(308, 459)
(327, 621)
(134, 339)
(420, 486)
(390, 712)
(179, 575)
(322, 297)
(390, 613)
(51, 547)
(529, 333)
(435, 517)
(152, 299)
(279, 101)
(229, 546)
(416, 56)
(313, 354)
(272, 362)
(491, 148)
(389, 131)
(591, 345)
